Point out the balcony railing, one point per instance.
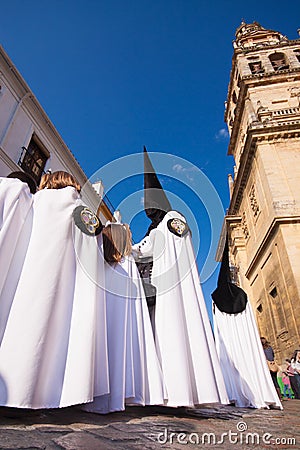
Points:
(268, 117)
(285, 112)
(32, 163)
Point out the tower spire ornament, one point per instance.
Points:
(253, 34)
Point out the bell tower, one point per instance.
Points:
(263, 219)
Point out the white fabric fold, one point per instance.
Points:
(55, 330)
(183, 334)
(134, 372)
(15, 229)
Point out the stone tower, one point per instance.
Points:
(263, 219)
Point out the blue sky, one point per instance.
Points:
(116, 75)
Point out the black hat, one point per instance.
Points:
(228, 297)
(156, 203)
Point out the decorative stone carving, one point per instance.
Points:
(253, 201)
(263, 113)
(244, 225)
(295, 92)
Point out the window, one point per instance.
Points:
(259, 308)
(260, 315)
(256, 67)
(297, 54)
(278, 61)
(33, 159)
(277, 311)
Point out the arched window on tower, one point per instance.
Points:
(278, 61)
(256, 67)
(234, 97)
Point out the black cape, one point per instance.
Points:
(228, 297)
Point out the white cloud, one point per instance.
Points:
(222, 135)
(178, 168)
(185, 170)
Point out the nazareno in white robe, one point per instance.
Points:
(183, 334)
(243, 362)
(135, 376)
(54, 351)
(15, 228)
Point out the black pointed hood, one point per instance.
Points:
(228, 297)
(156, 203)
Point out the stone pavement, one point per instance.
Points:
(216, 427)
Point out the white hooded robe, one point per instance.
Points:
(243, 362)
(183, 334)
(54, 349)
(135, 375)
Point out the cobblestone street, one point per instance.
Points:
(223, 427)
